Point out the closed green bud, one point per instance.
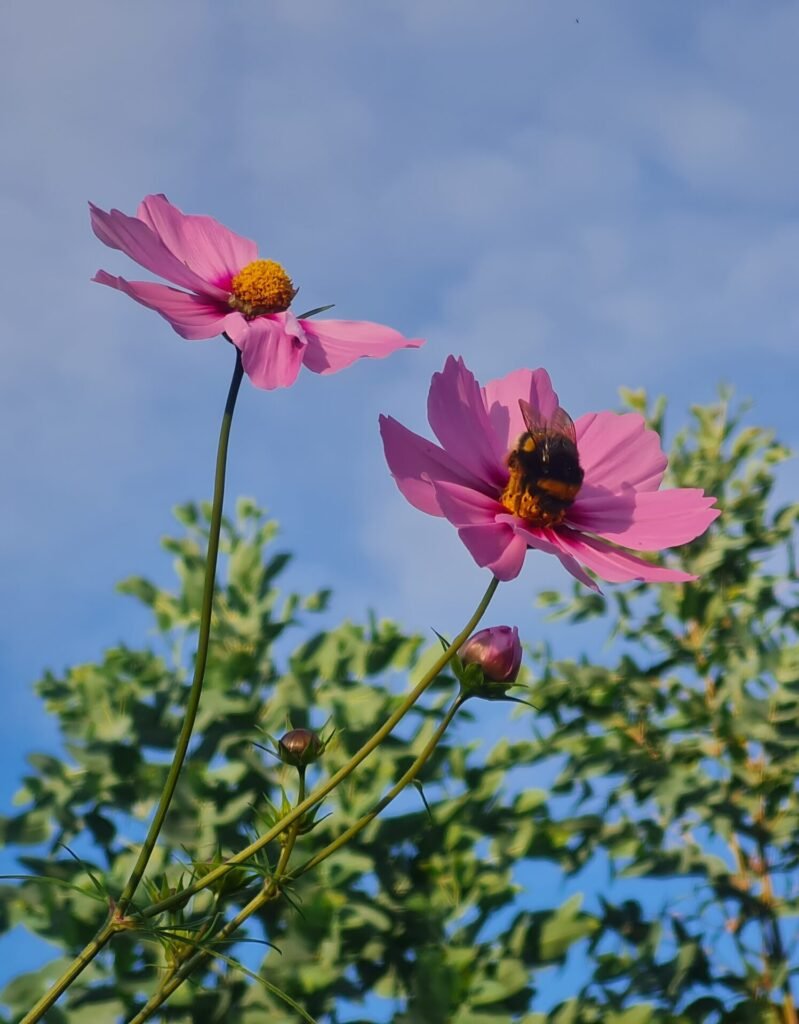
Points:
(300, 747)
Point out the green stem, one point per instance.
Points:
(81, 961)
(267, 893)
(114, 923)
(395, 790)
(204, 637)
(319, 794)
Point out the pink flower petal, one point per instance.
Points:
(457, 414)
(618, 450)
(571, 565)
(464, 506)
(646, 520)
(192, 316)
(492, 544)
(336, 344)
(496, 547)
(207, 247)
(537, 539)
(502, 402)
(613, 564)
(417, 464)
(133, 237)
(271, 352)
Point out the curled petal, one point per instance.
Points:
(538, 539)
(138, 241)
(618, 451)
(336, 344)
(502, 402)
(270, 353)
(457, 413)
(495, 546)
(207, 247)
(484, 528)
(464, 506)
(192, 316)
(645, 520)
(613, 564)
(571, 565)
(418, 464)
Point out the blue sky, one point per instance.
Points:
(607, 189)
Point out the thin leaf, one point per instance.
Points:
(76, 858)
(313, 312)
(420, 788)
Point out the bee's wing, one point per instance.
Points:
(532, 418)
(560, 422)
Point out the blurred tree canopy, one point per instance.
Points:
(664, 768)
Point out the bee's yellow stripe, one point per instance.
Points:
(558, 489)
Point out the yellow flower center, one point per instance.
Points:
(261, 287)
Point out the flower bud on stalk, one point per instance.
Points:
(488, 663)
(300, 747)
(497, 650)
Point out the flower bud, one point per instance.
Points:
(497, 650)
(300, 747)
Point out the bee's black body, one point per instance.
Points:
(545, 471)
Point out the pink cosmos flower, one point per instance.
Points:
(579, 513)
(230, 291)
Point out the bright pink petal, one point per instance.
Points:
(618, 450)
(138, 241)
(495, 546)
(612, 564)
(538, 539)
(207, 247)
(646, 520)
(457, 414)
(492, 544)
(571, 565)
(502, 402)
(271, 352)
(192, 316)
(336, 344)
(464, 506)
(416, 464)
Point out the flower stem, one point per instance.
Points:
(395, 790)
(269, 891)
(322, 791)
(114, 923)
(201, 660)
(81, 961)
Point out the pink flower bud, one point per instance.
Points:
(498, 652)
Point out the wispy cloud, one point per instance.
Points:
(612, 197)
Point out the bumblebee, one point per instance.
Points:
(545, 471)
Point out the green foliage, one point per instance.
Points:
(684, 749)
(673, 751)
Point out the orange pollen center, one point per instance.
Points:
(261, 287)
(541, 504)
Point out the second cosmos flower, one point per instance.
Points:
(512, 472)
